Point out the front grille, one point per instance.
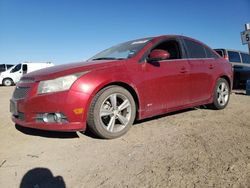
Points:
(20, 92)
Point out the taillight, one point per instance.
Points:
(226, 57)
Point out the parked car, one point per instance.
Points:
(133, 80)
(13, 74)
(241, 65)
(4, 67)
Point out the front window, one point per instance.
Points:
(16, 68)
(172, 47)
(122, 51)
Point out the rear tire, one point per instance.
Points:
(8, 82)
(111, 113)
(221, 95)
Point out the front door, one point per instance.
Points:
(16, 73)
(166, 85)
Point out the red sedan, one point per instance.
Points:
(133, 80)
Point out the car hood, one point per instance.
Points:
(71, 68)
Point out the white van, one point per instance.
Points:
(13, 74)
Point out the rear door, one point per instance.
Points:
(201, 71)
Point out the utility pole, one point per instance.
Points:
(247, 28)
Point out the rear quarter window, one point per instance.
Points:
(220, 52)
(194, 49)
(234, 56)
(210, 53)
(245, 58)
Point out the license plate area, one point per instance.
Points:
(13, 107)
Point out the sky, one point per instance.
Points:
(64, 31)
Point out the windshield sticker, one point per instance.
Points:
(139, 42)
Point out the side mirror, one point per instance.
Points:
(158, 55)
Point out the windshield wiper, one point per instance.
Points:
(107, 58)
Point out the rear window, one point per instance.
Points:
(245, 58)
(234, 56)
(195, 50)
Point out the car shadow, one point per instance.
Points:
(88, 133)
(47, 134)
(240, 92)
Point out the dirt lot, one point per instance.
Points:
(193, 148)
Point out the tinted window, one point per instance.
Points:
(234, 56)
(8, 66)
(2, 67)
(220, 52)
(172, 47)
(210, 53)
(16, 68)
(195, 50)
(245, 58)
(25, 69)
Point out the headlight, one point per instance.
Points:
(58, 84)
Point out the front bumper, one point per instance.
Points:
(73, 104)
(1, 80)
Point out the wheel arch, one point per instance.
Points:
(129, 88)
(228, 80)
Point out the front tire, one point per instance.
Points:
(112, 112)
(221, 94)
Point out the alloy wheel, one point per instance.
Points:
(115, 112)
(222, 94)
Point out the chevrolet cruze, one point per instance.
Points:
(127, 82)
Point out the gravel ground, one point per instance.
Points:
(193, 148)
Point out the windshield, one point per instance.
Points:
(122, 51)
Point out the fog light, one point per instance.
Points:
(48, 117)
(51, 118)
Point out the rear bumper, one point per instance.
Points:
(72, 104)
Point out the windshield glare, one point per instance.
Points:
(122, 51)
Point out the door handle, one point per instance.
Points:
(183, 70)
(211, 66)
